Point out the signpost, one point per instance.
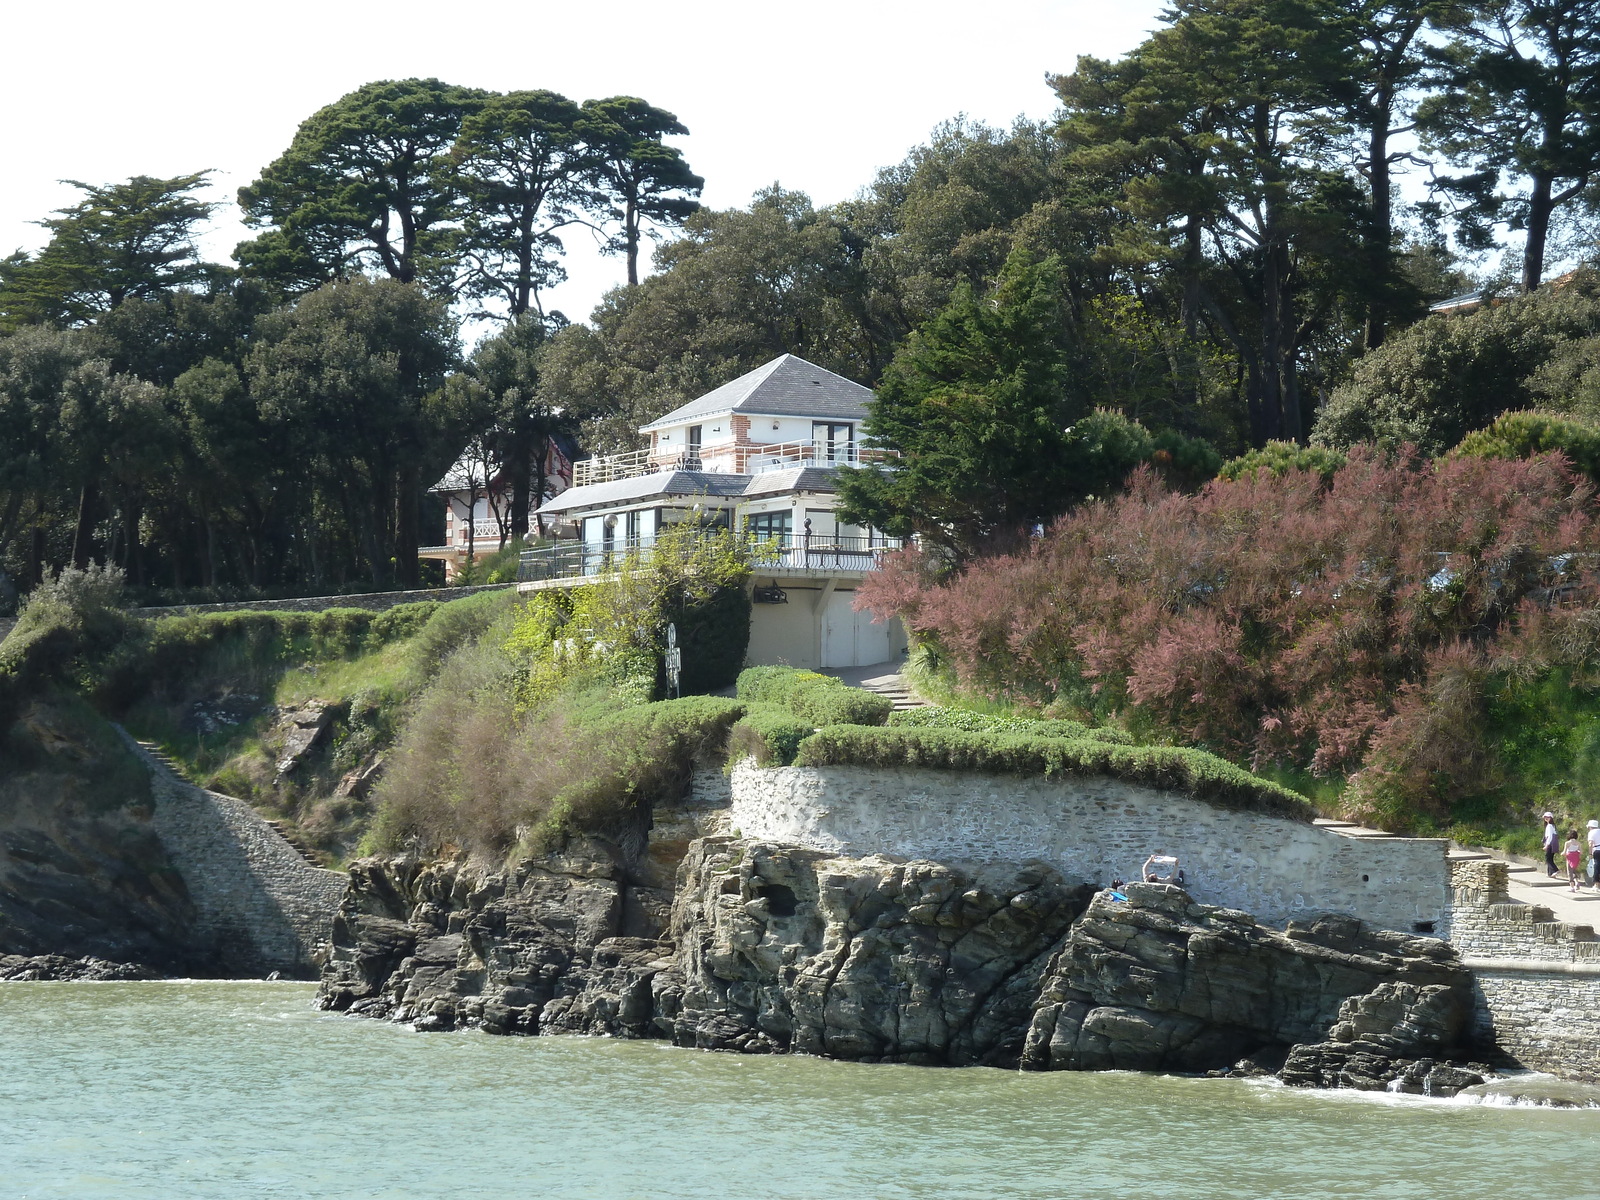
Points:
(674, 661)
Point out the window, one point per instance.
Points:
(832, 440)
(774, 526)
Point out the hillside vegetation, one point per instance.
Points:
(1414, 641)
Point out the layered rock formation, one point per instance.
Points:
(770, 949)
(1156, 982)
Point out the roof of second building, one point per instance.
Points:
(644, 487)
(787, 386)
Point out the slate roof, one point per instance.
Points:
(794, 479)
(668, 482)
(785, 387)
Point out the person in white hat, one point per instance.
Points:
(1594, 854)
(1552, 843)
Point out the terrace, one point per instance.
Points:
(785, 554)
(730, 459)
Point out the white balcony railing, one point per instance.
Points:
(484, 534)
(729, 459)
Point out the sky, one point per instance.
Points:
(817, 97)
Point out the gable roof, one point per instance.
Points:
(787, 386)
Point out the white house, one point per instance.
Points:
(478, 503)
(757, 455)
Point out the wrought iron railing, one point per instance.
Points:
(729, 459)
(781, 552)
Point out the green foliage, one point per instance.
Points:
(976, 404)
(66, 624)
(1440, 379)
(472, 774)
(770, 733)
(1525, 434)
(122, 241)
(1279, 458)
(692, 577)
(1194, 772)
(819, 699)
(968, 721)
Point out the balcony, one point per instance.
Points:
(484, 533)
(776, 555)
(729, 459)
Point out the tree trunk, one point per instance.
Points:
(517, 468)
(88, 501)
(630, 228)
(541, 454)
(407, 565)
(1540, 206)
(36, 554)
(1378, 247)
(134, 562)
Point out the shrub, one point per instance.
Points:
(469, 772)
(1282, 457)
(1284, 620)
(819, 699)
(1526, 434)
(770, 733)
(1193, 772)
(939, 717)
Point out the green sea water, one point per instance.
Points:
(185, 1090)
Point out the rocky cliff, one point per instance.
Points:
(1148, 980)
(770, 948)
(82, 870)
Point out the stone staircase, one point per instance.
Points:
(281, 828)
(893, 688)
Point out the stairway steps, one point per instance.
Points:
(280, 828)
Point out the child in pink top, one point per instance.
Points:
(1574, 850)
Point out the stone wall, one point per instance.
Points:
(1537, 980)
(259, 906)
(1096, 830)
(371, 601)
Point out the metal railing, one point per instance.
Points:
(730, 459)
(784, 552)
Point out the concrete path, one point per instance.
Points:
(1528, 883)
(882, 678)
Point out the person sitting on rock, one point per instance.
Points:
(1162, 868)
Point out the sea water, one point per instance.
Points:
(181, 1090)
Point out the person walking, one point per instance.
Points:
(1594, 854)
(1552, 843)
(1574, 855)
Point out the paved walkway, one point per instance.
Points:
(1528, 882)
(883, 678)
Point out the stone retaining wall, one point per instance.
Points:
(259, 906)
(1096, 830)
(1537, 980)
(371, 601)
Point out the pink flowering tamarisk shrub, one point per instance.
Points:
(1359, 624)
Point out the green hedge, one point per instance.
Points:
(1194, 772)
(772, 735)
(818, 699)
(938, 717)
(639, 755)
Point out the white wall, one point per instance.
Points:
(1096, 830)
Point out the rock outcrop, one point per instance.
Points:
(83, 871)
(773, 948)
(1156, 982)
(872, 959)
(567, 944)
(53, 967)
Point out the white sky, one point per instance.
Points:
(816, 96)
